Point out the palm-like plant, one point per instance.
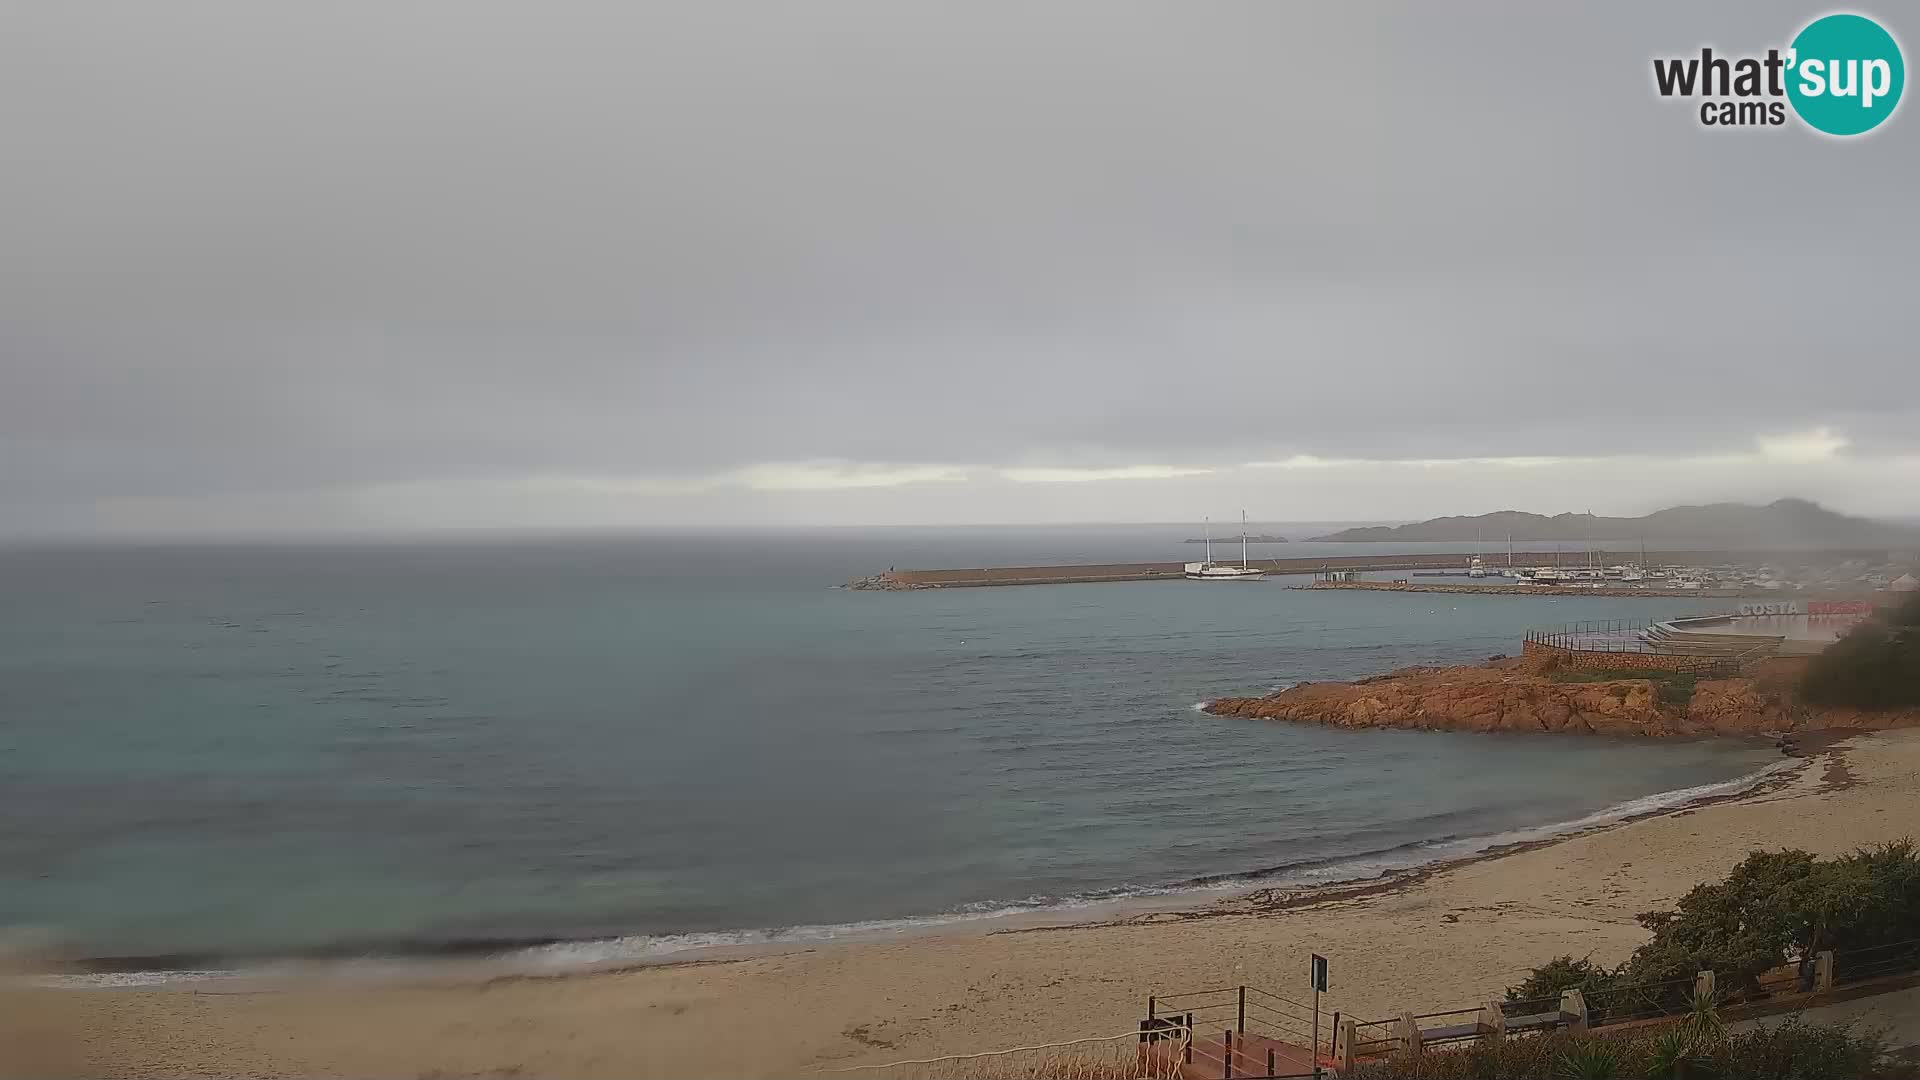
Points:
(1594, 1059)
(1703, 1026)
(1673, 1055)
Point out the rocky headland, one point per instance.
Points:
(1531, 695)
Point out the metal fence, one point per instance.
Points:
(1451, 1026)
(1232, 1031)
(1115, 1057)
(1719, 657)
(1247, 1010)
(1371, 1038)
(1640, 1001)
(1875, 962)
(1246, 1031)
(1527, 1008)
(1596, 635)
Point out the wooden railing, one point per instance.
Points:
(1792, 984)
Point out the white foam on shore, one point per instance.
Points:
(566, 956)
(1201, 705)
(120, 980)
(590, 954)
(1444, 851)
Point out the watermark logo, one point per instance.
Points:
(1842, 75)
(1850, 74)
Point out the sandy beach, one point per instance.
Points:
(1440, 939)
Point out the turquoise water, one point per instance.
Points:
(211, 752)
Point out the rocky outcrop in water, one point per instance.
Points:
(1512, 695)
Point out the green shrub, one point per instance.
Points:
(1876, 666)
(1772, 907)
(1794, 1050)
(1561, 974)
(1677, 691)
(1785, 1051)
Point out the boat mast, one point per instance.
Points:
(1243, 539)
(1207, 524)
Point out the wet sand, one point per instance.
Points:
(1443, 938)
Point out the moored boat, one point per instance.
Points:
(1213, 571)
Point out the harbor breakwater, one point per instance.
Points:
(976, 577)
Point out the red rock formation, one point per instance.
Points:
(1518, 696)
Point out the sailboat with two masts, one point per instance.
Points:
(1213, 571)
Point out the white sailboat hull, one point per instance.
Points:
(1216, 572)
(1213, 571)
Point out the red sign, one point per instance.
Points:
(1839, 607)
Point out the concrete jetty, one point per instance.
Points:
(975, 577)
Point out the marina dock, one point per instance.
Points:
(1509, 587)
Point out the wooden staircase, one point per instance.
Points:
(1230, 1054)
(1235, 1031)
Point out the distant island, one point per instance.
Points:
(1235, 540)
(1786, 523)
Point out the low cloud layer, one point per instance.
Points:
(499, 265)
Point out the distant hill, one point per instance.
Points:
(1788, 523)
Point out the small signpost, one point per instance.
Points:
(1319, 977)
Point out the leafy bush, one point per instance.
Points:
(1561, 974)
(1772, 907)
(1794, 1050)
(1677, 691)
(1786, 1051)
(1876, 666)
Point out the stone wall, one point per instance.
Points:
(1582, 660)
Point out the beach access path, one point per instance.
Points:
(1896, 1015)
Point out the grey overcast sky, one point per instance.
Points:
(378, 266)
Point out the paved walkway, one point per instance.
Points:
(1897, 1014)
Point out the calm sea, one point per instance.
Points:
(646, 743)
